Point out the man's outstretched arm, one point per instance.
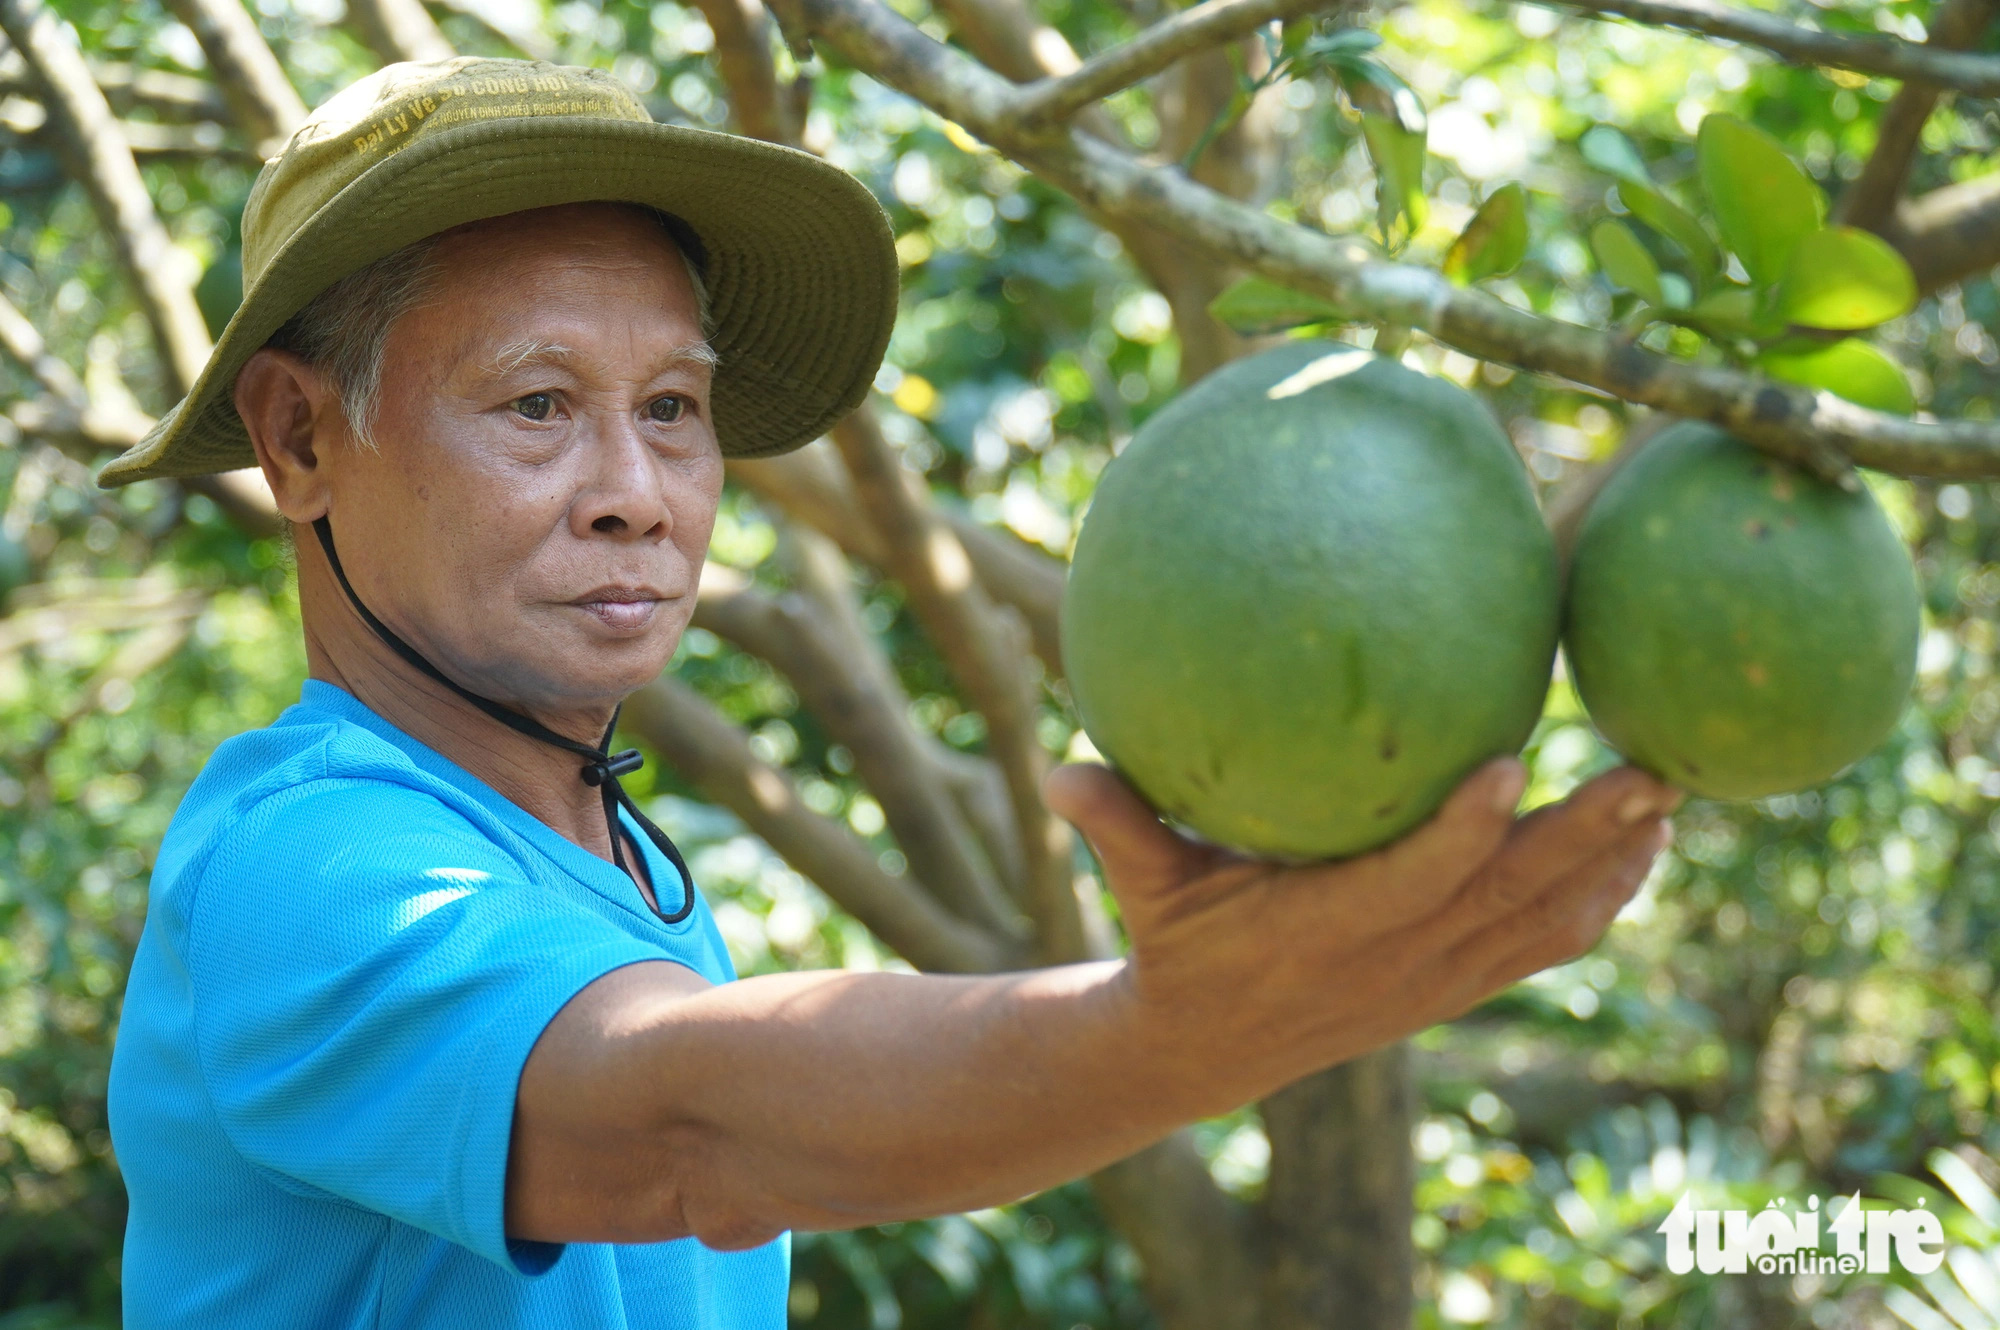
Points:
(657, 1106)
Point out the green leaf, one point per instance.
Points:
(1625, 262)
(1612, 153)
(1845, 278)
(1494, 242)
(1259, 305)
(1674, 222)
(1730, 312)
(1849, 368)
(1398, 154)
(1375, 89)
(1763, 203)
(1342, 44)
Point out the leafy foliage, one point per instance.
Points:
(1495, 241)
(1763, 204)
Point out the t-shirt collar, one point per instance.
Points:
(597, 874)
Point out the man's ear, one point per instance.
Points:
(294, 421)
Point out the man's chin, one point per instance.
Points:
(586, 676)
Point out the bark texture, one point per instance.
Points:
(1337, 1209)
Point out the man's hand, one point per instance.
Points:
(1272, 972)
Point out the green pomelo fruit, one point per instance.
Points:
(1311, 595)
(1734, 624)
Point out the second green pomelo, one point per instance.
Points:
(1311, 595)
(1736, 625)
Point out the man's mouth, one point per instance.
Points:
(626, 609)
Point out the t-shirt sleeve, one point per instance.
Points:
(370, 974)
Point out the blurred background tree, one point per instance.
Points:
(1802, 1000)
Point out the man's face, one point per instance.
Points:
(536, 514)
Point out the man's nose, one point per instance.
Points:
(622, 494)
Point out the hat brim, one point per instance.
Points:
(798, 258)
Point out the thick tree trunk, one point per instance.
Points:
(1194, 1241)
(1337, 1209)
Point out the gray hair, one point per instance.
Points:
(344, 330)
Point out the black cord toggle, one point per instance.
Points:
(619, 764)
(602, 771)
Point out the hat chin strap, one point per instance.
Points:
(602, 770)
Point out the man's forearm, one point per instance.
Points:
(830, 1099)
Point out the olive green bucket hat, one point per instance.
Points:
(797, 256)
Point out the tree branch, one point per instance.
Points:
(1238, 162)
(262, 99)
(1553, 1095)
(23, 342)
(1950, 233)
(180, 96)
(45, 616)
(1815, 429)
(1010, 38)
(100, 159)
(980, 792)
(523, 37)
(86, 435)
(715, 757)
(931, 817)
(68, 416)
(1017, 574)
(85, 428)
(1214, 23)
(145, 138)
(1871, 199)
(985, 654)
(841, 680)
(764, 108)
(810, 487)
(399, 30)
(1893, 57)
(825, 578)
(151, 142)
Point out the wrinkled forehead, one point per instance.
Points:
(499, 282)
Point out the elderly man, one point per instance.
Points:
(429, 1026)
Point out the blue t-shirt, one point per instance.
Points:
(351, 947)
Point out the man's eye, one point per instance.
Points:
(667, 410)
(535, 406)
